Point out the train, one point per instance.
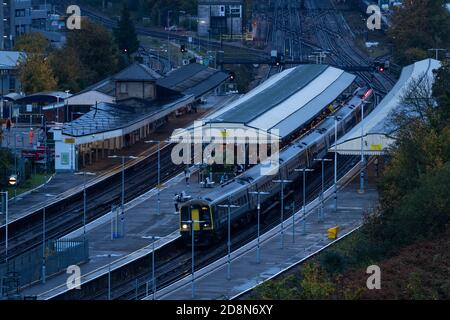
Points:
(211, 211)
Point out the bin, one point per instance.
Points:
(333, 233)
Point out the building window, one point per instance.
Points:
(123, 88)
(20, 13)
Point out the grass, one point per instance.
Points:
(27, 185)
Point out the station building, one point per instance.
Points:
(128, 107)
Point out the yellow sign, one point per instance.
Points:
(333, 232)
(376, 147)
(224, 133)
(69, 140)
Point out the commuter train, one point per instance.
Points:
(210, 210)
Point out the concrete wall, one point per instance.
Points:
(144, 90)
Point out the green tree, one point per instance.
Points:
(35, 72)
(125, 34)
(32, 43)
(418, 26)
(68, 69)
(96, 49)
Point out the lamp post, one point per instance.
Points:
(168, 37)
(258, 207)
(109, 276)
(282, 182)
(229, 206)
(323, 160)
(84, 173)
(361, 188)
(123, 180)
(304, 170)
(4, 196)
(154, 239)
(336, 120)
(192, 223)
(159, 170)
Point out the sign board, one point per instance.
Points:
(29, 108)
(376, 147)
(12, 180)
(190, 39)
(65, 158)
(69, 140)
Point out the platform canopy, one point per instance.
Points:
(286, 100)
(378, 134)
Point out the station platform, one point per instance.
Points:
(211, 282)
(61, 185)
(141, 222)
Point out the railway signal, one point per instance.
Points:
(232, 76)
(183, 48)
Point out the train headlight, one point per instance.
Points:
(184, 226)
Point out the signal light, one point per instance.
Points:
(183, 48)
(232, 76)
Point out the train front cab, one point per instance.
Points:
(197, 210)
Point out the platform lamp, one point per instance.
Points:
(282, 182)
(123, 177)
(84, 173)
(158, 142)
(304, 170)
(229, 206)
(192, 223)
(258, 207)
(323, 160)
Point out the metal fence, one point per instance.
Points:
(59, 254)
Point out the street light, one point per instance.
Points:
(258, 207)
(361, 188)
(304, 170)
(282, 182)
(229, 206)
(191, 223)
(123, 175)
(84, 197)
(323, 160)
(159, 170)
(154, 239)
(336, 119)
(4, 196)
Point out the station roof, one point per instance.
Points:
(137, 72)
(287, 99)
(10, 59)
(377, 129)
(108, 117)
(195, 79)
(44, 97)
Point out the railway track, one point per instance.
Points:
(133, 282)
(66, 215)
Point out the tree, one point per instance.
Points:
(32, 43)
(35, 72)
(96, 49)
(125, 34)
(418, 26)
(68, 69)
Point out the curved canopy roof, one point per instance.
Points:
(378, 133)
(287, 99)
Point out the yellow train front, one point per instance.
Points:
(199, 214)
